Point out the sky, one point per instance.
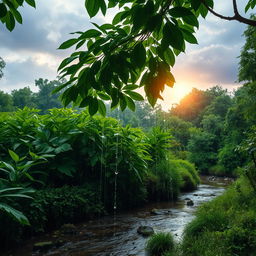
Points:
(30, 51)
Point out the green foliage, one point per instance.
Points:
(17, 172)
(79, 149)
(179, 129)
(2, 65)
(190, 168)
(159, 141)
(225, 226)
(9, 12)
(7, 199)
(44, 98)
(159, 243)
(247, 62)
(24, 98)
(6, 103)
(203, 150)
(192, 105)
(144, 38)
(164, 181)
(56, 206)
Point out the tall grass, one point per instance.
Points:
(159, 244)
(224, 226)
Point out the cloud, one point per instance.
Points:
(19, 74)
(211, 64)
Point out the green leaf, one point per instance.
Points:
(130, 87)
(173, 36)
(169, 57)
(102, 108)
(134, 95)
(3, 10)
(66, 61)
(139, 17)
(63, 148)
(130, 103)
(31, 3)
(59, 88)
(96, 66)
(195, 4)
(90, 33)
(138, 55)
(117, 18)
(170, 80)
(20, 2)
(19, 216)
(191, 20)
(203, 10)
(17, 15)
(8, 166)
(93, 106)
(179, 12)
(189, 37)
(92, 7)
(68, 43)
(14, 156)
(122, 103)
(210, 3)
(103, 96)
(10, 21)
(103, 7)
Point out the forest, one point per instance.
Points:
(87, 145)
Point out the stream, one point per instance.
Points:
(117, 235)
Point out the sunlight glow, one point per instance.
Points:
(174, 95)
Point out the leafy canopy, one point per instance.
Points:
(2, 65)
(136, 50)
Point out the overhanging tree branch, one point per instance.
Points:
(236, 16)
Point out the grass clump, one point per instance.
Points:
(160, 244)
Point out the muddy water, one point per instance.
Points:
(117, 235)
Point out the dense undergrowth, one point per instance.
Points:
(66, 167)
(224, 226)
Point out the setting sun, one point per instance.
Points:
(174, 95)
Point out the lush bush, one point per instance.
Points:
(81, 149)
(159, 243)
(163, 182)
(55, 206)
(190, 168)
(188, 174)
(187, 181)
(202, 149)
(224, 226)
(50, 209)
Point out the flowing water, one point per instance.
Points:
(117, 236)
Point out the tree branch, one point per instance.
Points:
(236, 16)
(235, 8)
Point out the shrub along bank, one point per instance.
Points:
(225, 226)
(67, 166)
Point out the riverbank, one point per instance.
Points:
(225, 226)
(117, 234)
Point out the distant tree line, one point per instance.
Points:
(24, 97)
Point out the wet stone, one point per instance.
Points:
(190, 203)
(145, 230)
